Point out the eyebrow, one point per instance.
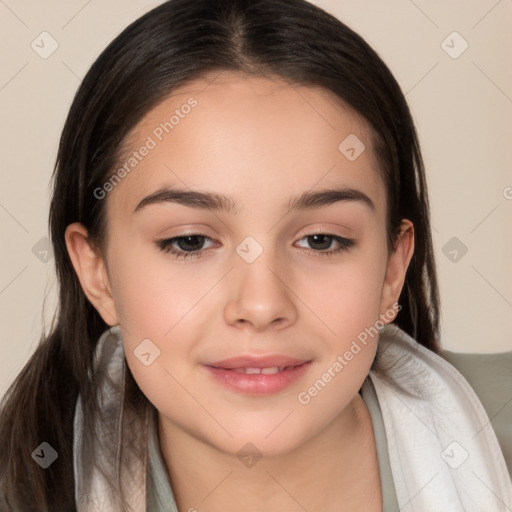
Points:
(219, 202)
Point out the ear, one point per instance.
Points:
(398, 262)
(91, 271)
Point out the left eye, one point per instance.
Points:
(190, 246)
(344, 243)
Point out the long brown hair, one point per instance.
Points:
(178, 41)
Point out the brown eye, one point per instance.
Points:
(324, 240)
(189, 246)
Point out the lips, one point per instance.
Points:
(258, 375)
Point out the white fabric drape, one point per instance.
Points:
(443, 452)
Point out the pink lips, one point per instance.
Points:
(258, 375)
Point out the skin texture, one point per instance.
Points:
(260, 141)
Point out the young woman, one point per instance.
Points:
(248, 309)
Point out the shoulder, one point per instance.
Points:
(490, 376)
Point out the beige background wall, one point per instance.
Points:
(462, 105)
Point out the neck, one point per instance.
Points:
(337, 470)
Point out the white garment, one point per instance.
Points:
(114, 445)
(444, 454)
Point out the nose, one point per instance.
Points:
(262, 295)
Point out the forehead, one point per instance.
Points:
(253, 138)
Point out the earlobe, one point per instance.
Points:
(91, 271)
(398, 263)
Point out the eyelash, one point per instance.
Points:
(167, 246)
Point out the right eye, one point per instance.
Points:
(194, 242)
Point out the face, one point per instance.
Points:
(278, 282)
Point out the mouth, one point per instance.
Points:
(258, 375)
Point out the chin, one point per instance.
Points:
(256, 441)
(251, 448)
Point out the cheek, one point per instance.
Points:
(158, 300)
(348, 305)
(347, 295)
(155, 306)
(348, 302)
(152, 293)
